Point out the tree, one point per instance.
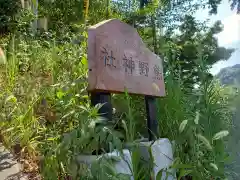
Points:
(8, 10)
(235, 4)
(183, 49)
(61, 13)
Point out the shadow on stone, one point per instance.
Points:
(6, 161)
(10, 169)
(6, 165)
(17, 176)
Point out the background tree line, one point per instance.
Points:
(168, 27)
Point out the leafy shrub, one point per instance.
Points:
(8, 11)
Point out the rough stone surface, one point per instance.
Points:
(119, 60)
(9, 168)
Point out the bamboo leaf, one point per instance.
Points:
(68, 114)
(196, 120)
(8, 130)
(181, 166)
(184, 172)
(83, 108)
(204, 141)
(60, 94)
(182, 126)
(159, 175)
(214, 166)
(11, 98)
(220, 135)
(34, 2)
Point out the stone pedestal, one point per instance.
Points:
(163, 157)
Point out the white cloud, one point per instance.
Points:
(231, 32)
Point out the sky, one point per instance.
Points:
(229, 37)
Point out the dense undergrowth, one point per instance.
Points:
(47, 120)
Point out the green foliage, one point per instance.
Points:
(62, 13)
(44, 108)
(230, 76)
(197, 121)
(8, 11)
(185, 47)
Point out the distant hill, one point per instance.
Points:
(230, 75)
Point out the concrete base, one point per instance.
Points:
(163, 157)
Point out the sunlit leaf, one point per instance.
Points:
(51, 139)
(182, 126)
(220, 135)
(214, 166)
(8, 130)
(204, 141)
(68, 114)
(60, 94)
(34, 2)
(83, 107)
(84, 61)
(11, 98)
(196, 120)
(56, 85)
(99, 105)
(181, 166)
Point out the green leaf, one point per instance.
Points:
(182, 126)
(214, 166)
(51, 139)
(34, 2)
(220, 135)
(60, 94)
(184, 172)
(68, 114)
(159, 175)
(84, 61)
(55, 85)
(84, 96)
(83, 108)
(11, 98)
(181, 166)
(99, 105)
(204, 141)
(8, 130)
(196, 120)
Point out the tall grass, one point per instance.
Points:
(197, 121)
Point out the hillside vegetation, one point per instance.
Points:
(230, 75)
(46, 118)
